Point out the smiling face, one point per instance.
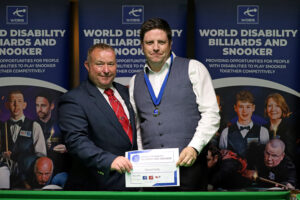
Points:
(244, 111)
(157, 48)
(102, 67)
(274, 111)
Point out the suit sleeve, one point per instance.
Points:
(74, 125)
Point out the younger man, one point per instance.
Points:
(244, 132)
(25, 140)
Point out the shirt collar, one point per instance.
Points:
(21, 118)
(165, 66)
(102, 90)
(239, 125)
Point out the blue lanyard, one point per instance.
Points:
(157, 100)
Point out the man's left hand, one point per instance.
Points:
(60, 148)
(187, 157)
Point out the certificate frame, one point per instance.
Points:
(153, 168)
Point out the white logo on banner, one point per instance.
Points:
(132, 14)
(247, 14)
(136, 12)
(16, 14)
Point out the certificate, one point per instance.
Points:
(153, 168)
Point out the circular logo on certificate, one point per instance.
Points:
(135, 158)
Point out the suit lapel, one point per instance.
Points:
(104, 107)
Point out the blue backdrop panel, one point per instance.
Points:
(252, 45)
(118, 22)
(257, 39)
(34, 40)
(34, 59)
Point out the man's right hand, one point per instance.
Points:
(121, 165)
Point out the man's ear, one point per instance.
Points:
(24, 105)
(86, 64)
(52, 106)
(282, 156)
(253, 107)
(234, 108)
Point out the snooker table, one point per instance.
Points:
(89, 195)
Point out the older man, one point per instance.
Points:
(277, 166)
(97, 122)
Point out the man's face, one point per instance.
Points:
(102, 67)
(16, 105)
(244, 111)
(43, 107)
(156, 48)
(43, 174)
(273, 156)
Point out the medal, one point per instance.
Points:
(156, 112)
(156, 100)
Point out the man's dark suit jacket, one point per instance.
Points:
(94, 137)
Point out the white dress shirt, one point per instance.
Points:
(263, 135)
(37, 134)
(205, 98)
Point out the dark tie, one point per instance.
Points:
(119, 111)
(244, 128)
(19, 122)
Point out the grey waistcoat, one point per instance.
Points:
(176, 124)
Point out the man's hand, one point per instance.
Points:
(60, 148)
(289, 186)
(187, 157)
(6, 154)
(121, 165)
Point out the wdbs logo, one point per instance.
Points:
(16, 14)
(132, 14)
(136, 158)
(247, 14)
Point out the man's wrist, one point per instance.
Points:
(195, 150)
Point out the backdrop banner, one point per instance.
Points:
(118, 23)
(34, 72)
(253, 46)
